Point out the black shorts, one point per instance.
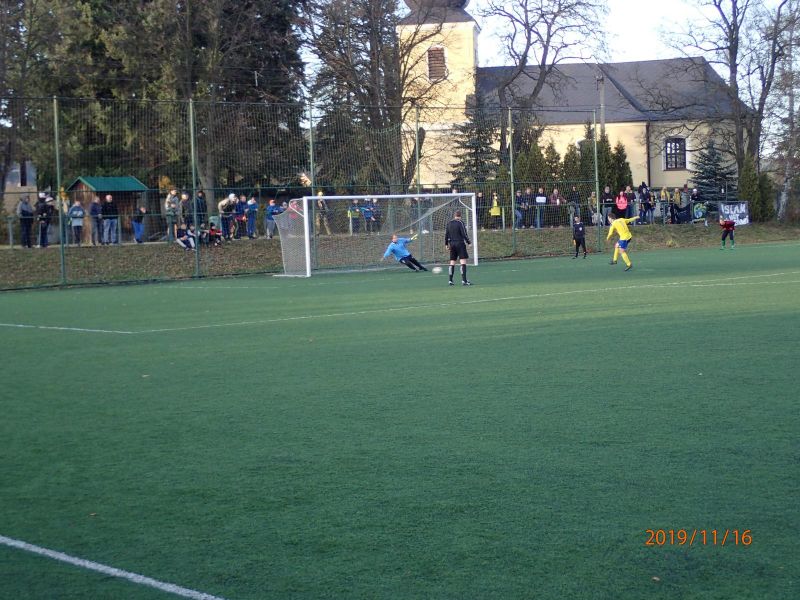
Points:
(458, 250)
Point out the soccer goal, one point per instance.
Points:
(351, 233)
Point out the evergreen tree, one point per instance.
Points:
(586, 148)
(765, 211)
(477, 160)
(552, 163)
(621, 168)
(529, 166)
(571, 168)
(605, 163)
(748, 188)
(715, 181)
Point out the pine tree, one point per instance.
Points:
(530, 167)
(715, 181)
(766, 205)
(605, 164)
(477, 159)
(748, 188)
(620, 167)
(552, 162)
(571, 167)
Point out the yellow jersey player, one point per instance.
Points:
(620, 226)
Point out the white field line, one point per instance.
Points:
(23, 326)
(170, 588)
(727, 281)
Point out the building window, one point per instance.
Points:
(437, 69)
(675, 154)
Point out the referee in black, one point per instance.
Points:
(456, 240)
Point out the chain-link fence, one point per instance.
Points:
(213, 170)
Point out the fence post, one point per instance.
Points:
(511, 177)
(62, 245)
(312, 175)
(416, 145)
(193, 151)
(600, 220)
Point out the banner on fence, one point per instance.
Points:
(735, 211)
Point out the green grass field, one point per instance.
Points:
(381, 435)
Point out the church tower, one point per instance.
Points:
(439, 46)
(440, 41)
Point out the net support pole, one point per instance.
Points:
(474, 231)
(511, 176)
(600, 220)
(61, 221)
(307, 235)
(193, 152)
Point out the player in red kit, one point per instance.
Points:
(728, 228)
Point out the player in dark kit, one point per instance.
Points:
(728, 227)
(579, 235)
(456, 240)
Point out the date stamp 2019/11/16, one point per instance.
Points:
(698, 537)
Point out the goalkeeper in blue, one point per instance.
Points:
(402, 254)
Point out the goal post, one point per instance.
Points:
(351, 233)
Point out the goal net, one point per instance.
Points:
(328, 233)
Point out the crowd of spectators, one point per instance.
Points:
(189, 222)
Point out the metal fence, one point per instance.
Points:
(263, 151)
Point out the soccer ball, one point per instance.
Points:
(436, 270)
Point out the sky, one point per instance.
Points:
(636, 29)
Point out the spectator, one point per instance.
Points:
(187, 209)
(377, 215)
(226, 208)
(607, 203)
(369, 219)
(354, 215)
(321, 215)
(171, 208)
(138, 223)
(557, 200)
(663, 201)
(252, 217)
(269, 217)
(530, 199)
(240, 216)
(183, 237)
(620, 205)
(574, 203)
(200, 206)
(495, 212)
(25, 215)
(674, 206)
(76, 213)
(646, 205)
(215, 235)
(96, 213)
(44, 214)
(631, 196)
(519, 211)
(110, 221)
(482, 208)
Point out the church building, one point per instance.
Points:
(663, 111)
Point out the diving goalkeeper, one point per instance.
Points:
(620, 226)
(401, 253)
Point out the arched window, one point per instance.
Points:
(674, 154)
(437, 67)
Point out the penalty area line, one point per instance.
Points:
(170, 588)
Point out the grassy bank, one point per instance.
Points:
(21, 268)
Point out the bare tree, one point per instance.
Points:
(746, 40)
(537, 36)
